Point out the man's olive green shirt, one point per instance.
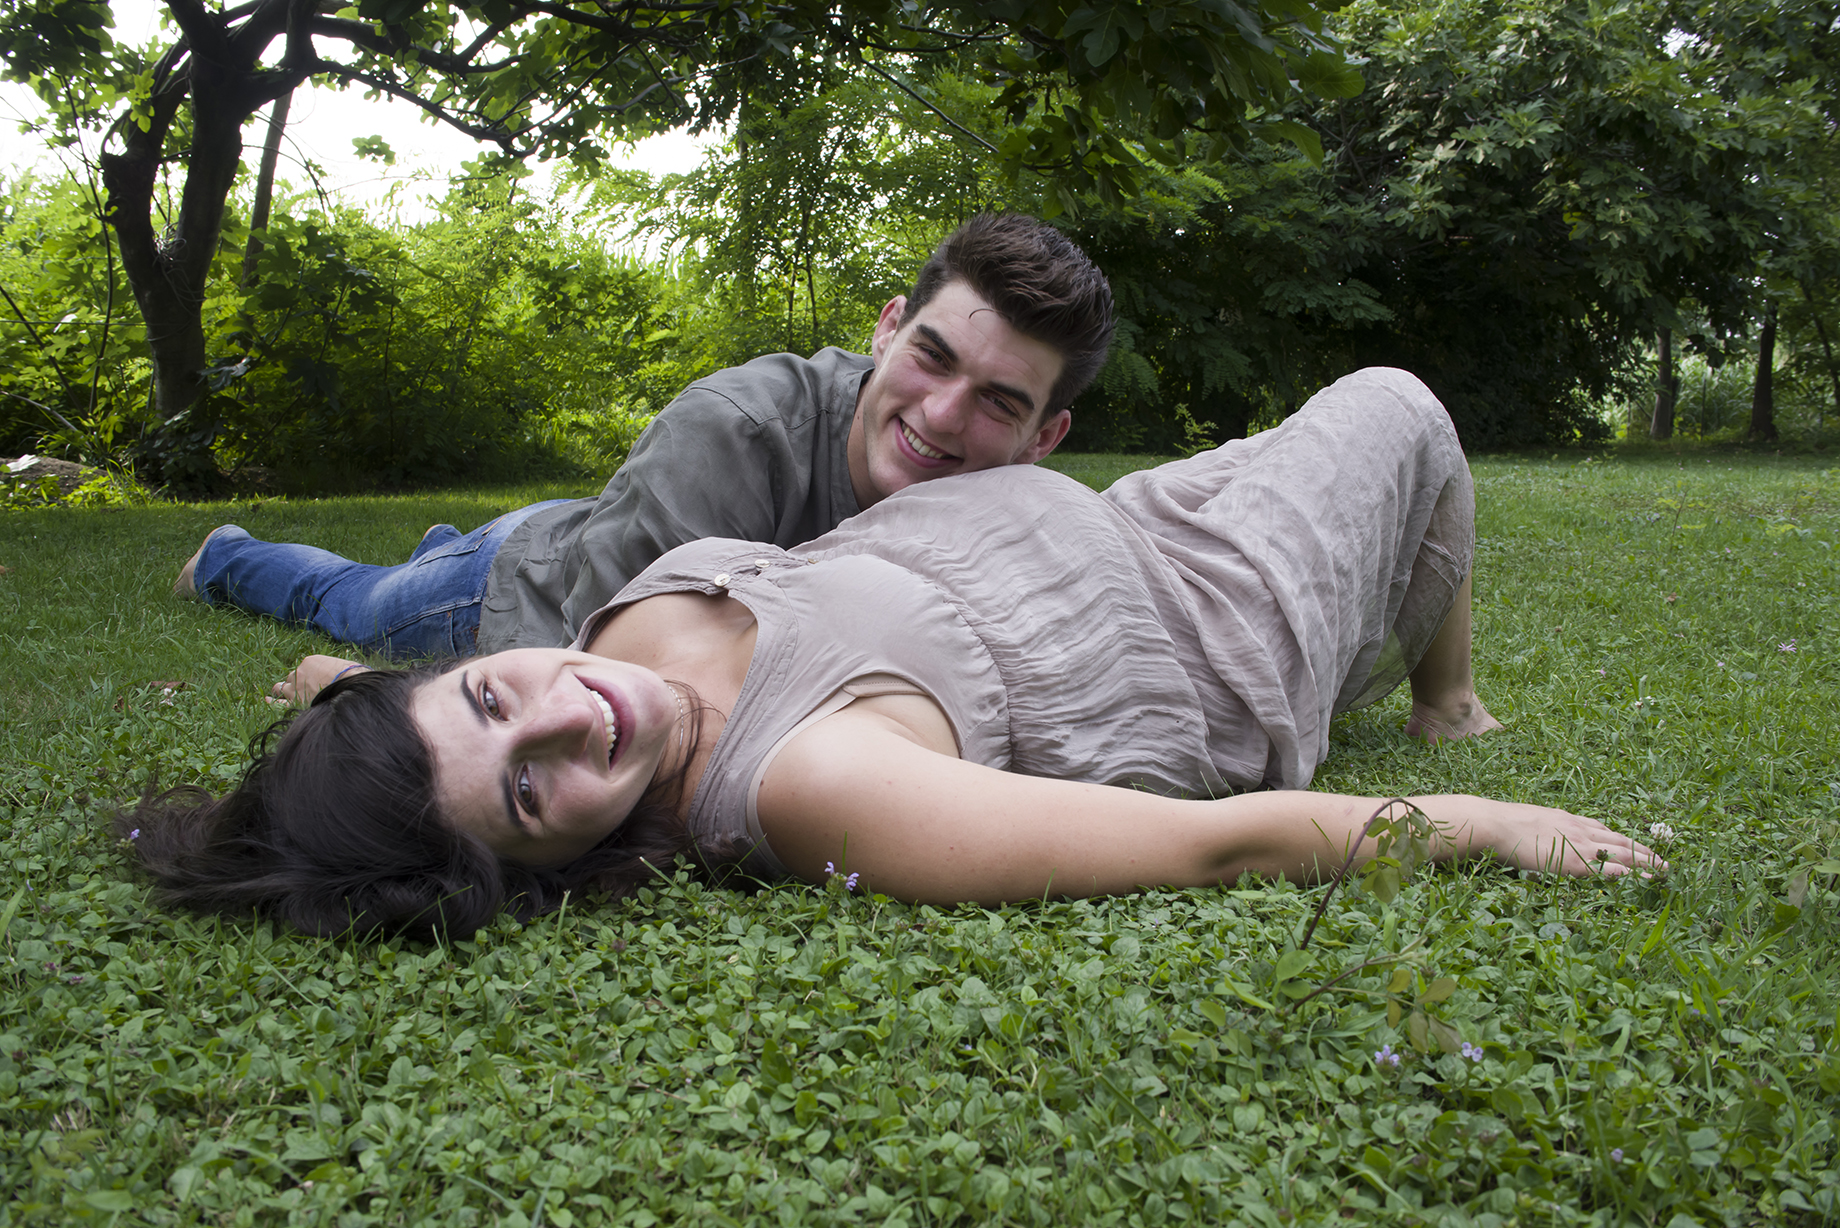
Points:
(757, 452)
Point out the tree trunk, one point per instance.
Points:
(168, 272)
(1833, 372)
(1667, 389)
(1763, 395)
(265, 186)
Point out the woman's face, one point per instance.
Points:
(541, 752)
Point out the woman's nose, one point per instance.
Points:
(562, 721)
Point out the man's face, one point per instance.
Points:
(955, 390)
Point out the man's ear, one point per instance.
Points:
(1053, 429)
(887, 326)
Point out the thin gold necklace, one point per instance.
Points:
(682, 725)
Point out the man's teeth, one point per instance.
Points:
(917, 444)
(613, 726)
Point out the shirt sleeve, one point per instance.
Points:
(705, 467)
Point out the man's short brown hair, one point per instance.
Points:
(1038, 280)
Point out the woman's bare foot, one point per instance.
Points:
(183, 586)
(1450, 721)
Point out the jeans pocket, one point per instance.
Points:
(456, 548)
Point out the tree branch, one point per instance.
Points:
(204, 31)
(506, 141)
(905, 89)
(68, 424)
(251, 39)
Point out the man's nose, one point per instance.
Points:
(950, 405)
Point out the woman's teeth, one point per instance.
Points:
(613, 726)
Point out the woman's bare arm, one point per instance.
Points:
(924, 826)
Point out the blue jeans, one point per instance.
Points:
(426, 607)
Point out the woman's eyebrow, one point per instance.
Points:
(504, 781)
(472, 700)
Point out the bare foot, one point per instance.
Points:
(183, 586)
(1450, 721)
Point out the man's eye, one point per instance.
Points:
(526, 793)
(488, 699)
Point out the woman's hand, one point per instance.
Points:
(314, 674)
(1536, 837)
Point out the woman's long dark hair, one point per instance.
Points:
(334, 829)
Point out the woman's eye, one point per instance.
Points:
(488, 699)
(526, 793)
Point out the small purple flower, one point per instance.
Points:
(135, 834)
(1384, 1056)
(849, 884)
(829, 868)
(1472, 1052)
(1788, 647)
(1616, 1155)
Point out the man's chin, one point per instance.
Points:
(900, 474)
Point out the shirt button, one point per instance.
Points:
(721, 579)
(761, 564)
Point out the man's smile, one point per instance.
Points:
(920, 447)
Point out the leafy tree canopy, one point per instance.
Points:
(555, 78)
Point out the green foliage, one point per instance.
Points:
(1713, 400)
(1231, 290)
(809, 218)
(17, 493)
(1521, 196)
(1715, 393)
(494, 335)
(52, 36)
(72, 351)
(501, 336)
(564, 80)
(1636, 1051)
(1562, 183)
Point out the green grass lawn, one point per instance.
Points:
(1658, 633)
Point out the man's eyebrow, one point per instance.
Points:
(936, 341)
(939, 343)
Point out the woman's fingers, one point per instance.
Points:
(282, 693)
(1555, 841)
(299, 687)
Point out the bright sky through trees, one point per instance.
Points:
(322, 123)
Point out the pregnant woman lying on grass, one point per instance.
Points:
(940, 695)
